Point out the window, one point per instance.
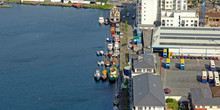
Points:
(186, 24)
(217, 19)
(167, 24)
(167, 20)
(171, 24)
(171, 20)
(186, 20)
(191, 20)
(191, 24)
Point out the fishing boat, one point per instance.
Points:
(102, 63)
(97, 75)
(114, 60)
(116, 53)
(114, 15)
(97, 53)
(104, 75)
(107, 63)
(106, 21)
(107, 39)
(110, 46)
(1, 2)
(110, 53)
(101, 52)
(101, 20)
(116, 46)
(114, 73)
(99, 63)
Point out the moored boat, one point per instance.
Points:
(101, 20)
(107, 39)
(97, 75)
(97, 53)
(110, 53)
(104, 75)
(114, 73)
(107, 63)
(99, 63)
(101, 52)
(106, 22)
(102, 63)
(110, 46)
(114, 15)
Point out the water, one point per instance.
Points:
(47, 59)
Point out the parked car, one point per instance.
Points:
(167, 90)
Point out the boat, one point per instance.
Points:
(110, 53)
(112, 29)
(116, 46)
(116, 53)
(97, 75)
(101, 20)
(104, 75)
(99, 63)
(97, 53)
(114, 73)
(114, 60)
(102, 63)
(114, 15)
(107, 39)
(1, 2)
(107, 63)
(110, 46)
(101, 52)
(106, 22)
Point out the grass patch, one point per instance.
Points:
(172, 104)
(126, 25)
(106, 6)
(103, 1)
(11, 1)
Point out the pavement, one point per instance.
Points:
(180, 81)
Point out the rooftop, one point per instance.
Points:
(143, 61)
(203, 96)
(148, 90)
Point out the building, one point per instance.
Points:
(148, 92)
(215, 91)
(143, 10)
(174, 4)
(187, 41)
(201, 99)
(143, 63)
(212, 19)
(177, 18)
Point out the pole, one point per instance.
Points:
(160, 64)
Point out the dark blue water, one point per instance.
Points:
(47, 59)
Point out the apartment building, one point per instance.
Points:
(174, 4)
(146, 13)
(177, 18)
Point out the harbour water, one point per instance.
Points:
(47, 59)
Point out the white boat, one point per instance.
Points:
(101, 52)
(116, 53)
(102, 62)
(101, 20)
(110, 46)
(99, 63)
(97, 75)
(116, 45)
(107, 39)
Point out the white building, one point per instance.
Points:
(187, 41)
(179, 18)
(33, 0)
(174, 4)
(146, 14)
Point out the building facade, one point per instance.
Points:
(187, 41)
(179, 18)
(146, 12)
(174, 4)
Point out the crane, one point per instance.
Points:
(203, 12)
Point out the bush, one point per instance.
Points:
(69, 2)
(170, 100)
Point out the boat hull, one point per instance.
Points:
(97, 78)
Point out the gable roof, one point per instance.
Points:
(215, 91)
(148, 90)
(146, 62)
(203, 96)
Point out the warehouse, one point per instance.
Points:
(187, 41)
